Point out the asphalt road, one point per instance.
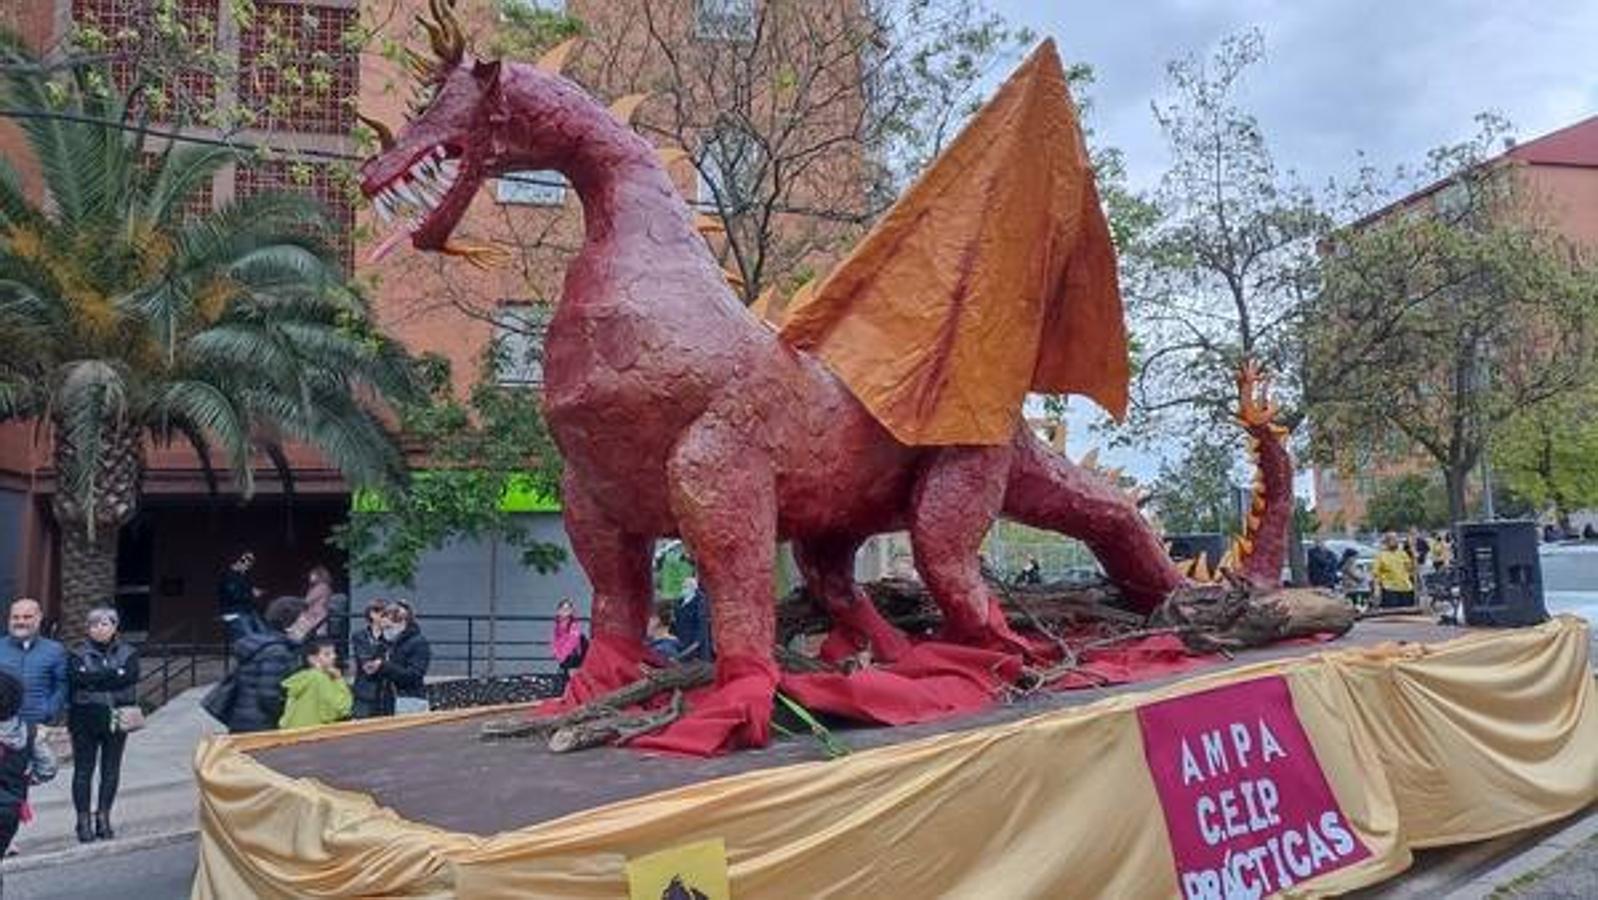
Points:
(160, 873)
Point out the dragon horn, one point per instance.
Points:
(1090, 459)
(553, 60)
(444, 32)
(421, 68)
(624, 108)
(385, 138)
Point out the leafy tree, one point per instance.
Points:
(480, 453)
(1218, 262)
(1226, 258)
(1199, 493)
(1304, 519)
(1404, 502)
(1442, 322)
(1548, 455)
(126, 319)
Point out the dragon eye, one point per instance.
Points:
(423, 96)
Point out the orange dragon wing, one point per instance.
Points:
(991, 276)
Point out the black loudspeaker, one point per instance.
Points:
(1500, 576)
(1188, 546)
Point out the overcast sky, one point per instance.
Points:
(1392, 78)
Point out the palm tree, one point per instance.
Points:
(125, 321)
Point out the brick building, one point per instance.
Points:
(172, 554)
(1560, 170)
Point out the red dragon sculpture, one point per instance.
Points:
(679, 414)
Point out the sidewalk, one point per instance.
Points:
(1561, 865)
(156, 800)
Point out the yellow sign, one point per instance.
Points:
(690, 872)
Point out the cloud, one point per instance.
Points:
(1392, 78)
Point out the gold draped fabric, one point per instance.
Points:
(1422, 745)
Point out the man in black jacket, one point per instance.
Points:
(409, 655)
(264, 658)
(235, 598)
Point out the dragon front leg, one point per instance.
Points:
(618, 566)
(724, 497)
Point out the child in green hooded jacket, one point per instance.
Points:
(316, 694)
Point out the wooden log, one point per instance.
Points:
(654, 682)
(617, 729)
(907, 605)
(1235, 618)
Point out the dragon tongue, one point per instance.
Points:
(388, 244)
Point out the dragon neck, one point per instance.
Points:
(624, 188)
(1263, 547)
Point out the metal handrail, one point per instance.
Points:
(169, 659)
(173, 660)
(476, 653)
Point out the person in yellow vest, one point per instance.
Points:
(317, 694)
(1394, 574)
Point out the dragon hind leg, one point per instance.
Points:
(828, 569)
(956, 499)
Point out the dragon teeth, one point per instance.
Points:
(407, 193)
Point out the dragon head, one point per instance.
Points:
(422, 181)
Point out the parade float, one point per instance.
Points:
(1191, 729)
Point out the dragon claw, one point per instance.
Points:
(483, 256)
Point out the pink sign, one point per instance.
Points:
(1246, 804)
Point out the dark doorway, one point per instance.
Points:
(195, 539)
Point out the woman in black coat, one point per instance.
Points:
(408, 659)
(103, 673)
(374, 696)
(264, 658)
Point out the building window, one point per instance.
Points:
(729, 169)
(544, 187)
(725, 20)
(125, 28)
(296, 67)
(519, 329)
(1453, 201)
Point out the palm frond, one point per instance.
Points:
(197, 407)
(15, 208)
(180, 173)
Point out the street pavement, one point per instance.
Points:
(1573, 876)
(163, 872)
